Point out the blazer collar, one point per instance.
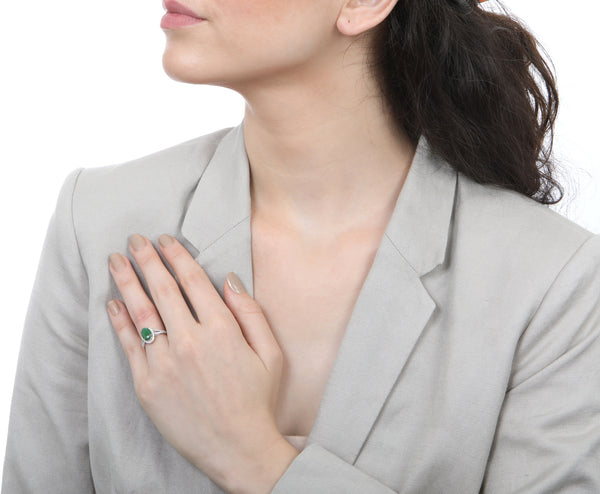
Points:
(382, 332)
(418, 228)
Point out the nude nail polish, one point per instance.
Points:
(235, 284)
(137, 241)
(117, 261)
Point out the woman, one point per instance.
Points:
(407, 315)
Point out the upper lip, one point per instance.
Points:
(177, 8)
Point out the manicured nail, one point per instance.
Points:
(113, 308)
(235, 284)
(164, 240)
(117, 261)
(137, 241)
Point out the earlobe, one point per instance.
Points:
(358, 16)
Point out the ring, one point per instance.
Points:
(148, 335)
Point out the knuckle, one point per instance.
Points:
(131, 346)
(144, 256)
(190, 277)
(249, 306)
(121, 322)
(142, 315)
(167, 290)
(177, 251)
(184, 348)
(127, 279)
(219, 323)
(177, 255)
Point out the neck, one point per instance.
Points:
(325, 155)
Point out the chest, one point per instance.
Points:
(307, 296)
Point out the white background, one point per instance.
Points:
(83, 85)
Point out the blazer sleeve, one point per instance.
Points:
(548, 433)
(47, 445)
(316, 470)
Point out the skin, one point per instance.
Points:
(316, 133)
(215, 408)
(315, 126)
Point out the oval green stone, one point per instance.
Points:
(147, 334)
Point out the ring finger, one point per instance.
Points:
(141, 310)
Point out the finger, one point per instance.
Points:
(200, 291)
(255, 327)
(130, 340)
(164, 290)
(140, 308)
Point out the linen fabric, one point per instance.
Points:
(471, 362)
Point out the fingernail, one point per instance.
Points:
(165, 240)
(235, 284)
(113, 308)
(117, 261)
(137, 241)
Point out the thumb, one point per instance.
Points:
(253, 322)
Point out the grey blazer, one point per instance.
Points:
(471, 362)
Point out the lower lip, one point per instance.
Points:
(173, 21)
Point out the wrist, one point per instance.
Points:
(260, 474)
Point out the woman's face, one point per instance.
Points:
(242, 42)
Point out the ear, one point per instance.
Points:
(358, 16)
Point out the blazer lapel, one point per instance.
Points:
(217, 222)
(393, 306)
(392, 309)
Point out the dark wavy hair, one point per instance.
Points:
(476, 86)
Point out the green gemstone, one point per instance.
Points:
(147, 334)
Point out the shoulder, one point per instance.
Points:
(152, 183)
(512, 213)
(177, 167)
(515, 239)
(104, 205)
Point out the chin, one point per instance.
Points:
(183, 66)
(180, 67)
(191, 70)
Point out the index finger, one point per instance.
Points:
(196, 284)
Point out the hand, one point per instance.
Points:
(210, 386)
